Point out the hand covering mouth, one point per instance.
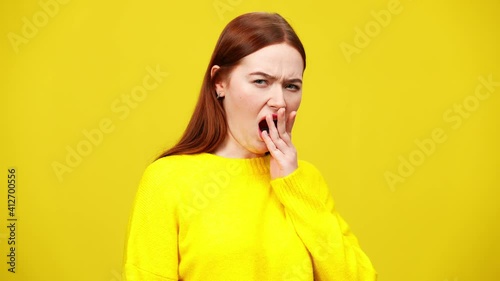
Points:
(263, 124)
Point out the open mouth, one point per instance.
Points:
(263, 124)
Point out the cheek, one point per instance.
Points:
(242, 107)
(245, 99)
(239, 93)
(293, 102)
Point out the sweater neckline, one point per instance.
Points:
(256, 165)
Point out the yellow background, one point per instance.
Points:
(361, 115)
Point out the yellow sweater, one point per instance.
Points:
(206, 217)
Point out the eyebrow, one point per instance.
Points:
(268, 76)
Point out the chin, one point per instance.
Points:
(259, 149)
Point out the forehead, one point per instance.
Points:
(279, 60)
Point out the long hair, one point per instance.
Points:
(244, 35)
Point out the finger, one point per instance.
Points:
(281, 122)
(283, 131)
(280, 141)
(271, 147)
(273, 131)
(290, 122)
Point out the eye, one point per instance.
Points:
(260, 82)
(292, 87)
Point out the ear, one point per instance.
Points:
(220, 84)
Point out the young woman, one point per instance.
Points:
(231, 201)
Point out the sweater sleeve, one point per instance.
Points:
(333, 248)
(151, 244)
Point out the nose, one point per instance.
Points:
(277, 99)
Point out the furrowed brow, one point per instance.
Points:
(260, 73)
(296, 80)
(268, 76)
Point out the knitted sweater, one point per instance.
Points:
(206, 217)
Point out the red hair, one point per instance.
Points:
(244, 35)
